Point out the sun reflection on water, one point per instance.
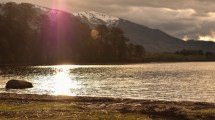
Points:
(63, 82)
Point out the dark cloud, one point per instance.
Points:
(180, 18)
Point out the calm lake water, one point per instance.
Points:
(157, 81)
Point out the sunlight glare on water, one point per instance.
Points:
(62, 82)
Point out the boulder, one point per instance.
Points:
(18, 84)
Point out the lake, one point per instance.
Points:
(194, 81)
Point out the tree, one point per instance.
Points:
(131, 49)
(190, 52)
(139, 51)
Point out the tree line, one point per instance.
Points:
(193, 52)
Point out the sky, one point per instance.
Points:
(185, 19)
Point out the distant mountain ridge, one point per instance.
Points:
(153, 40)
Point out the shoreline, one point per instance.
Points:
(105, 63)
(101, 106)
(60, 98)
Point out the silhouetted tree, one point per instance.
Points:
(139, 51)
(209, 54)
(190, 52)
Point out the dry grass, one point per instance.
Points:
(19, 107)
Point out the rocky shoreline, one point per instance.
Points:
(25, 106)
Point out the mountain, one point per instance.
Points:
(153, 40)
(32, 34)
(94, 18)
(207, 46)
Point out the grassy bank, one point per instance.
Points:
(15, 107)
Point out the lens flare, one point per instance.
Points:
(94, 34)
(59, 5)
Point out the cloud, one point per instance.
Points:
(189, 19)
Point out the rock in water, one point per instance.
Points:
(18, 84)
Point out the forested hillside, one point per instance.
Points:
(29, 35)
